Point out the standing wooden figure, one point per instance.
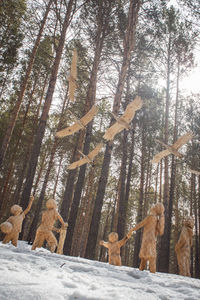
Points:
(114, 246)
(13, 225)
(153, 225)
(183, 247)
(44, 231)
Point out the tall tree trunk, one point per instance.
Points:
(43, 120)
(140, 204)
(129, 43)
(91, 95)
(122, 204)
(168, 222)
(23, 86)
(69, 187)
(33, 225)
(163, 264)
(197, 262)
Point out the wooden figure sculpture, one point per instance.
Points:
(173, 149)
(73, 76)
(13, 225)
(124, 120)
(87, 158)
(194, 172)
(80, 124)
(114, 246)
(153, 225)
(44, 231)
(183, 247)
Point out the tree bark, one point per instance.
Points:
(43, 120)
(91, 95)
(163, 264)
(23, 86)
(129, 43)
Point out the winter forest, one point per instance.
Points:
(125, 49)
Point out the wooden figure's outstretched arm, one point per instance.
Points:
(62, 221)
(141, 224)
(126, 238)
(105, 244)
(29, 205)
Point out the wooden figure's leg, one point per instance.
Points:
(142, 264)
(7, 238)
(15, 239)
(39, 240)
(52, 242)
(152, 265)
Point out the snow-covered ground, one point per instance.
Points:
(40, 275)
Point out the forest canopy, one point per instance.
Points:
(125, 48)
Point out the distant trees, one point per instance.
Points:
(125, 48)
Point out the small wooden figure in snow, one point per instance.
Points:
(13, 225)
(44, 231)
(114, 246)
(153, 225)
(183, 247)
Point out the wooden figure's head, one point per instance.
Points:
(16, 210)
(51, 203)
(113, 237)
(189, 222)
(158, 209)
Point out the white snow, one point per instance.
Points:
(40, 275)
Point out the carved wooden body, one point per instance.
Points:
(124, 120)
(87, 158)
(183, 247)
(44, 231)
(114, 246)
(153, 225)
(80, 124)
(174, 148)
(16, 223)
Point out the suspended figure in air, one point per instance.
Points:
(13, 225)
(44, 231)
(183, 247)
(173, 149)
(79, 124)
(153, 225)
(123, 122)
(114, 246)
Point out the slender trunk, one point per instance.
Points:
(43, 120)
(163, 264)
(129, 43)
(23, 86)
(34, 222)
(140, 204)
(91, 95)
(197, 263)
(69, 187)
(57, 177)
(122, 204)
(168, 221)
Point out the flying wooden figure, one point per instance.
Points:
(173, 149)
(86, 158)
(73, 76)
(124, 120)
(80, 124)
(194, 172)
